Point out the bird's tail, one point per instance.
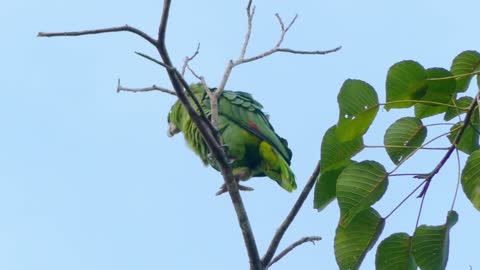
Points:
(276, 167)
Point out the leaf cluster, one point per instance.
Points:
(358, 185)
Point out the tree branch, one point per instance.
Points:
(145, 89)
(250, 14)
(188, 59)
(213, 144)
(442, 162)
(304, 240)
(267, 258)
(125, 28)
(277, 48)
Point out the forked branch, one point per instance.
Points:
(145, 89)
(458, 137)
(125, 28)
(272, 248)
(311, 239)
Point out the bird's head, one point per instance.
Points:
(175, 119)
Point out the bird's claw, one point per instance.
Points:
(224, 189)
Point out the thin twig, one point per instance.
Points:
(415, 175)
(284, 29)
(153, 60)
(421, 206)
(277, 48)
(125, 28)
(211, 95)
(282, 254)
(250, 14)
(459, 176)
(190, 58)
(424, 102)
(272, 248)
(415, 150)
(454, 76)
(145, 89)
(406, 147)
(274, 50)
(404, 200)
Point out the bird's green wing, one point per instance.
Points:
(240, 108)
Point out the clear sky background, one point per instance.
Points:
(89, 179)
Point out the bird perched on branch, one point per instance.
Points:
(249, 139)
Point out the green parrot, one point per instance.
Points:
(250, 141)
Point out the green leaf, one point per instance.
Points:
(465, 63)
(406, 80)
(403, 137)
(358, 187)
(430, 244)
(358, 103)
(353, 242)
(336, 153)
(462, 105)
(325, 188)
(471, 179)
(469, 141)
(424, 111)
(438, 91)
(441, 85)
(394, 253)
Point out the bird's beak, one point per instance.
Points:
(172, 130)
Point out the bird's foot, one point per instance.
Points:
(224, 189)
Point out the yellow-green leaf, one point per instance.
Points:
(358, 104)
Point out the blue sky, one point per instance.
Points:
(89, 179)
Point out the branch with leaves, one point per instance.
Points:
(359, 185)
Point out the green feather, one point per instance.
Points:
(251, 141)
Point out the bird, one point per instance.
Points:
(249, 140)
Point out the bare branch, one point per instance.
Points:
(188, 59)
(213, 103)
(153, 60)
(267, 258)
(242, 60)
(302, 241)
(274, 50)
(213, 96)
(250, 14)
(283, 29)
(145, 89)
(125, 28)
